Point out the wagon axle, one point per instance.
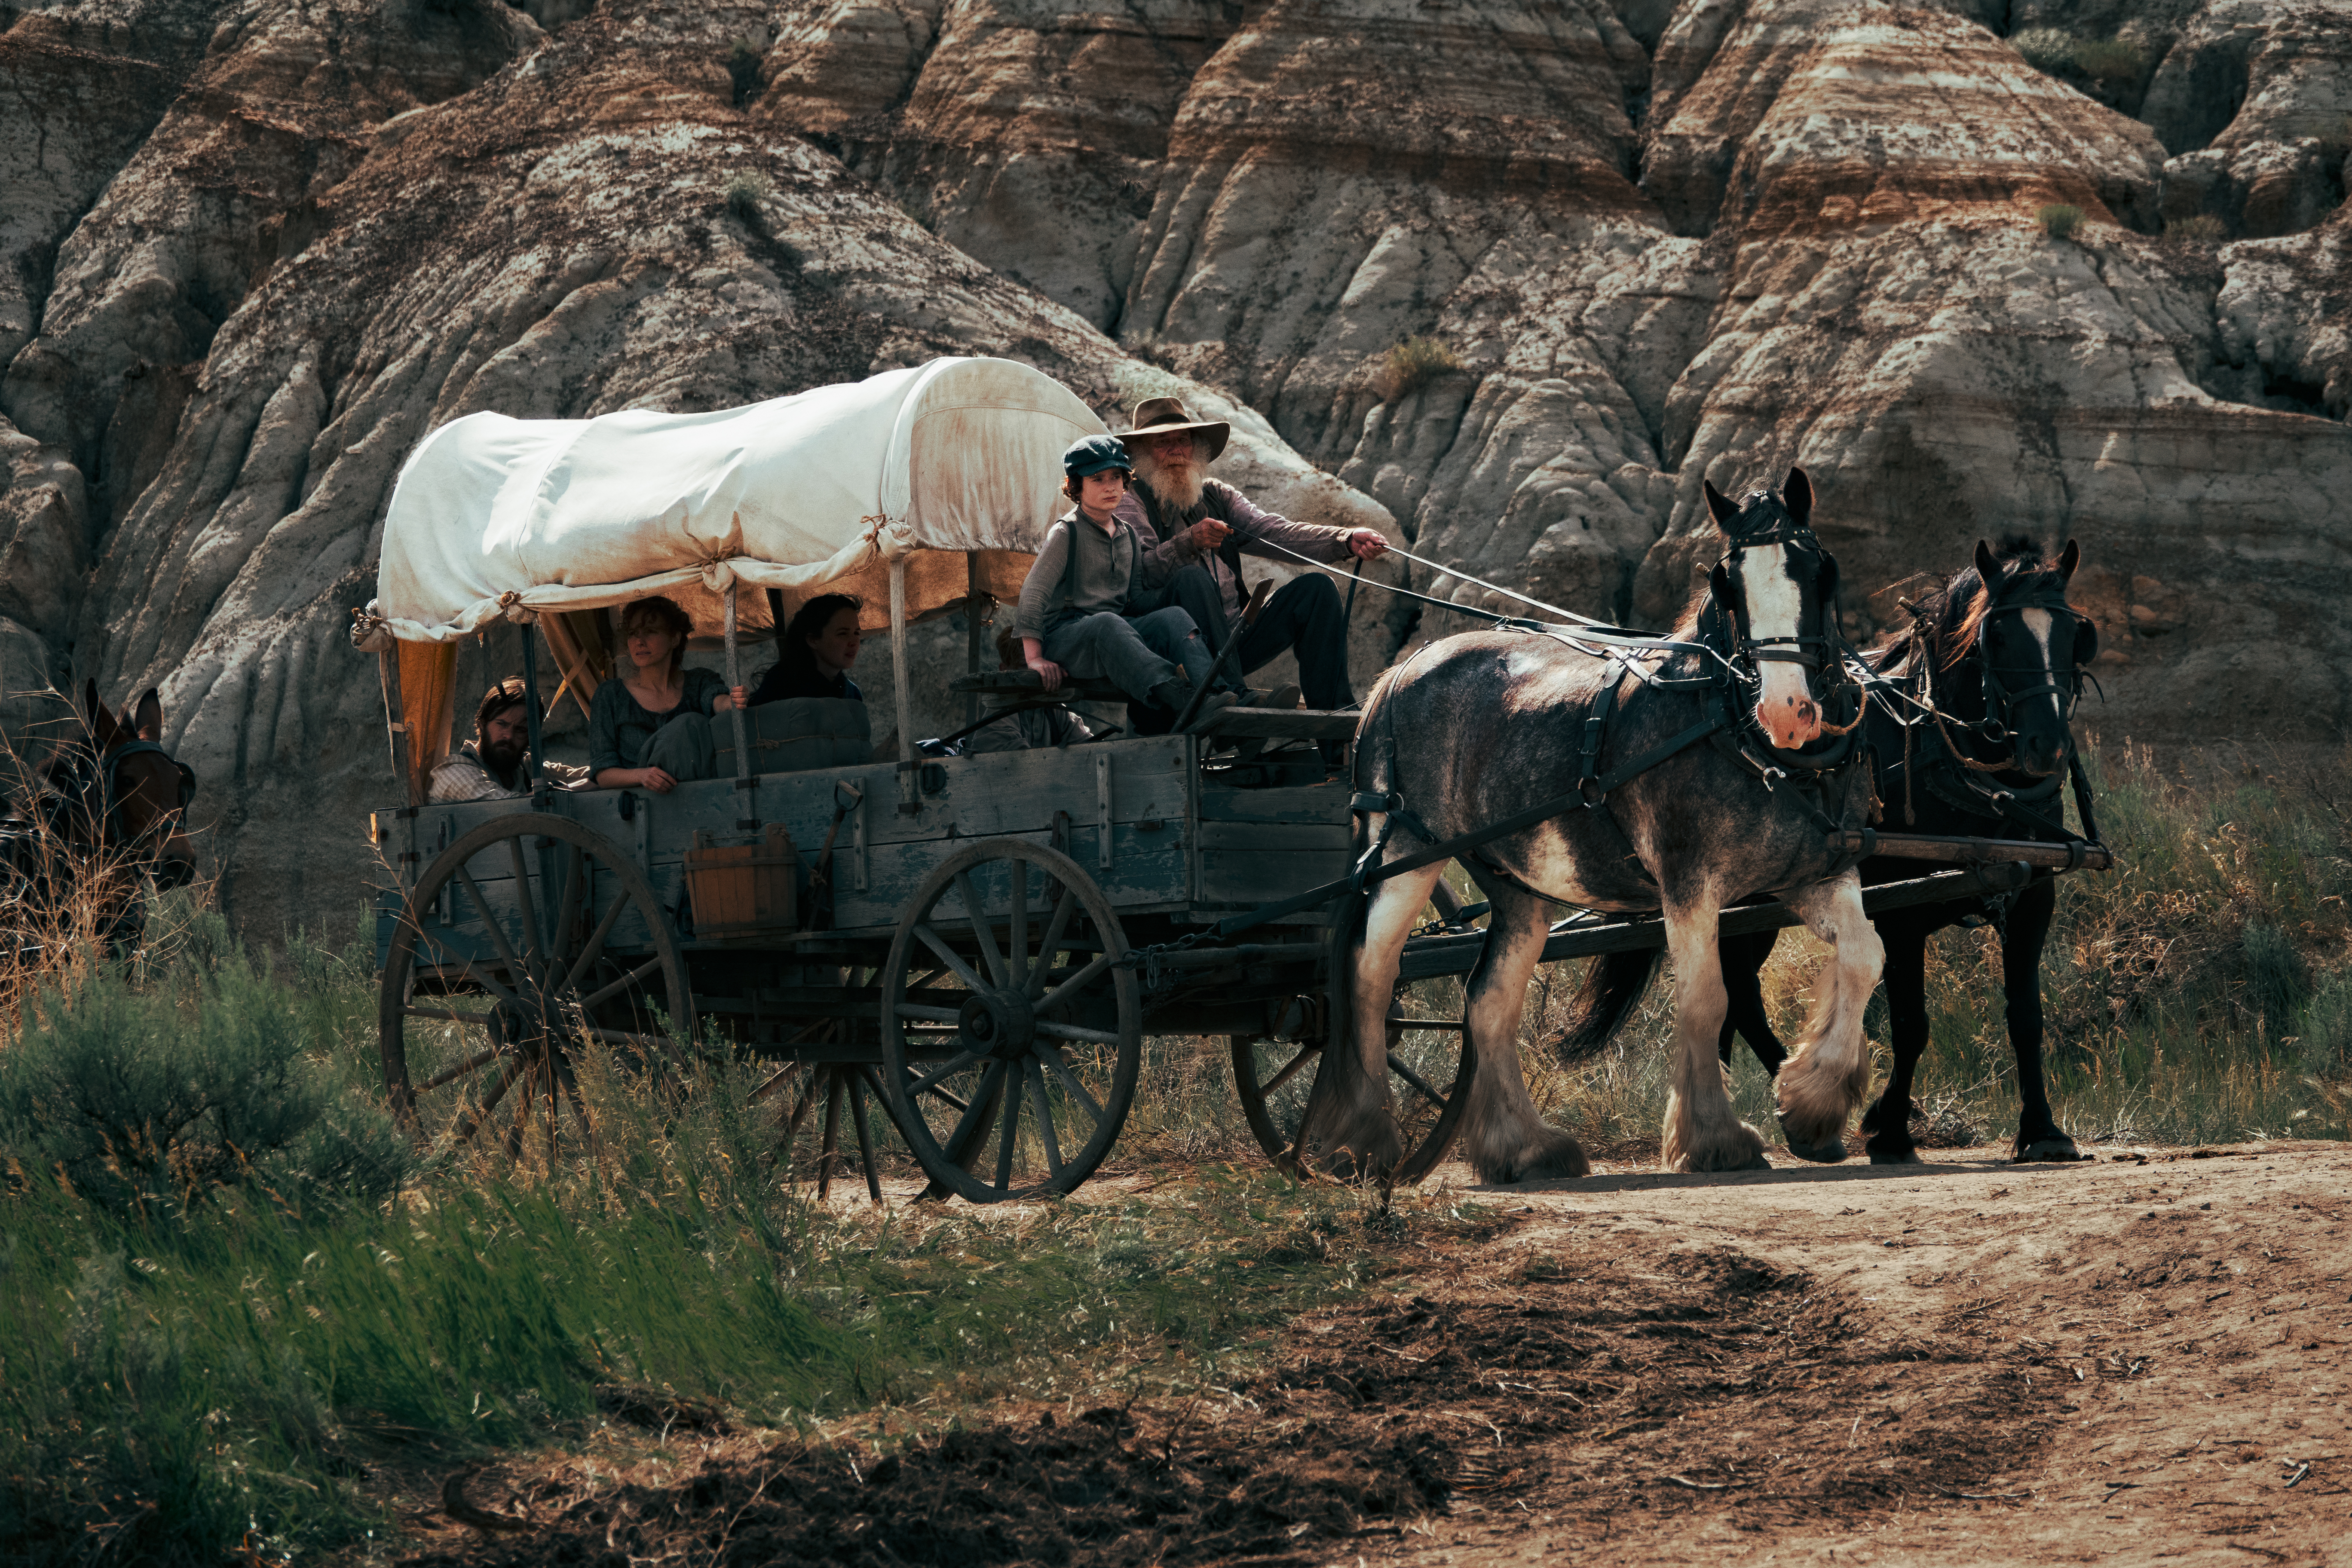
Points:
(998, 1023)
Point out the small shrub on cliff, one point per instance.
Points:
(2060, 219)
(2200, 232)
(1414, 364)
(2048, 49)
(2115, 62)
(745, 192)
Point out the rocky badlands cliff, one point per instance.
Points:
(254, 248)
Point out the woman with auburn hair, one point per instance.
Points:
(633, 740)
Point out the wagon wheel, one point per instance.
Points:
(798, 1090)
(1429, 1078)
(1010, 1046)
(517, 984)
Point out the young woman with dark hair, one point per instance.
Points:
(814, 656)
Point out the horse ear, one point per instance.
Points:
(147, 721)
(1797, 495)
(1987, 567)
(2068, 559)
(1720, 506)
(101, 722)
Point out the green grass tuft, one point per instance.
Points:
(1412, 364)
(2199, 231)
(2060, 219)
(176, 1373)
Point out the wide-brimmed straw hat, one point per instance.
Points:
(1166, 416)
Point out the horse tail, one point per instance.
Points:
(1612, 986)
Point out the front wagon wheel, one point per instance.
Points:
(526, 938)
(1011, 1037)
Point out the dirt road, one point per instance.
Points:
(2137, 1360)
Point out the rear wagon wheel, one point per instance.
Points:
(508, 959)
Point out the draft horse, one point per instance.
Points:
(1693, 789)
(111, 800)
(1969, 735)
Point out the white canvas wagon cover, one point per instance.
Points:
(495, 517)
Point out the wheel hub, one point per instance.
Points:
(1000, 1024)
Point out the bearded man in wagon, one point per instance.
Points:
(1173, 496)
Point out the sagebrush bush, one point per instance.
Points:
(2203, 229)
(1412, 364)
(745, 191)
(2115, 62)
(2060, 219)
(149, 1092)
(2045, 48)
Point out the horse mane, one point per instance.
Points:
(1948, 618)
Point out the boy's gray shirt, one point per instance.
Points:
(1113, 570)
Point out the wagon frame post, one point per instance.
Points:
(747, 815)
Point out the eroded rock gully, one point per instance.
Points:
(254, 248)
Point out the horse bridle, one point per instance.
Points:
(1826, 646)
(92, 775)
(1998, 698)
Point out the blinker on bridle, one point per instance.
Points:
(1998, 698)
(1783, 530)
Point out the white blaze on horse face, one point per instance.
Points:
(1775, 607)
(2040, 624)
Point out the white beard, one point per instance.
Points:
(1178, 484)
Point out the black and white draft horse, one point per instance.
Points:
(1975, 742)
(1482, 727)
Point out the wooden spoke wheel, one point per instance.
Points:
(525, 939)
(1429, 1080)
(1011, 1039)
(798, 1089)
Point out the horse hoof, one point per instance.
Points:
(1741, 1156)
(2058, 1150)
(1828, 1152)
(1896, 1157)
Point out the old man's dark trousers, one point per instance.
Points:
(1305, 613)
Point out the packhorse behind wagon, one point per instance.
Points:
(106, 814)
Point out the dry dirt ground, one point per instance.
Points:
(2138, 1359)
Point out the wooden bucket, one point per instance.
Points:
(742, 890)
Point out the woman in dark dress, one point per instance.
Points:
(815, 652)
(629, 713)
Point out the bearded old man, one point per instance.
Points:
(1173, 496)
(495, 763)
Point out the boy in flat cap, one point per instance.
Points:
(1094, 568)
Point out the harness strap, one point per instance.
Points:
(1369, 873)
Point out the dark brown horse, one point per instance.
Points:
(113, 800)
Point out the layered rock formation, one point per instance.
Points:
(255, 250)
(593, 226)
